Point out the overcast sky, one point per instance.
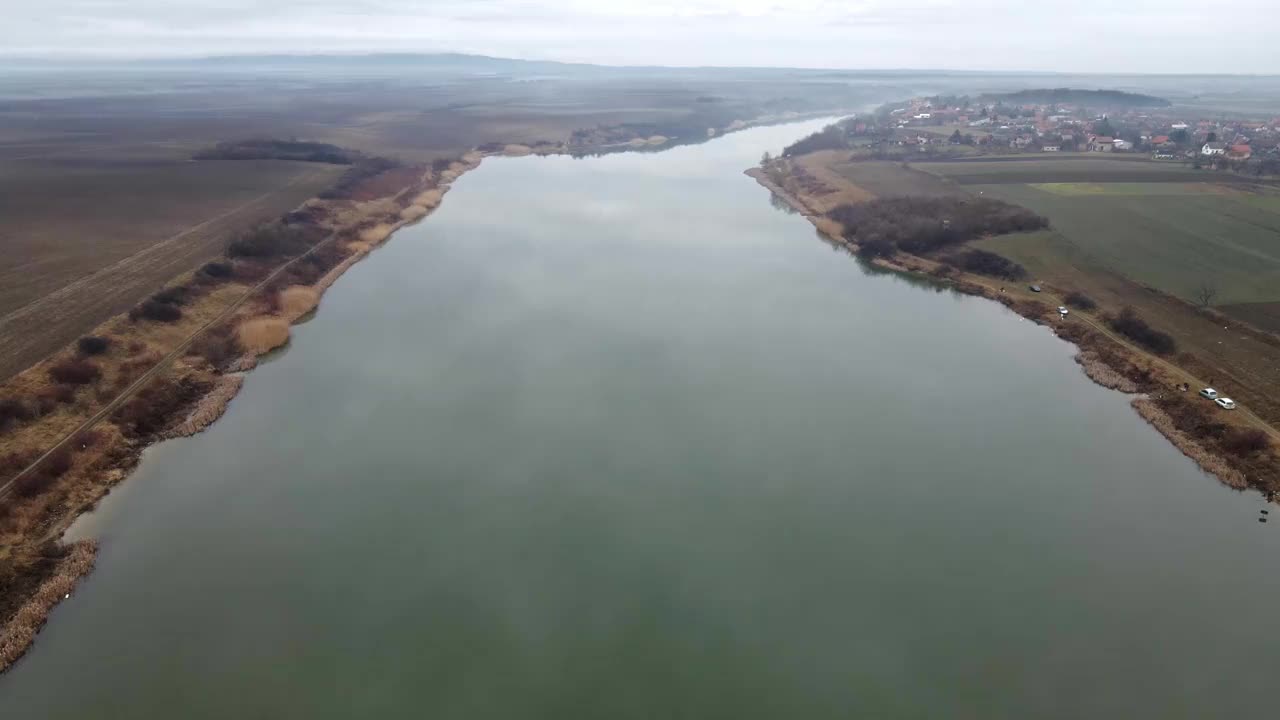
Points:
(1080, 35)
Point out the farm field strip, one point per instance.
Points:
(1174, 243)
(36, 329)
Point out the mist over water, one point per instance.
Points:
(616, 437)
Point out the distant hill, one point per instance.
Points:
(1072, 96)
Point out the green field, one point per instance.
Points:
(1173, 237)
(1065, 168)
(1078, 189)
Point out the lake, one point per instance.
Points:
(617, 437)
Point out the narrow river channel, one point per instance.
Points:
(618, 438)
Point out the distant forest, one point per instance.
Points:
(1072, 96)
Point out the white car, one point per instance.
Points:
(1062, 310)
(1226, 403)
(1209, 393)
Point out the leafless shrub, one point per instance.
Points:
(150, 309)
(74, 371)
(1245, 441)
(14, 411)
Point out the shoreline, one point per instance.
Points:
(261, 304)
(1097, 350)
(260, 319)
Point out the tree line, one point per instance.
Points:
(921, 225)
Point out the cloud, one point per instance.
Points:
(1086, 35)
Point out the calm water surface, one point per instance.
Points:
(618, 438)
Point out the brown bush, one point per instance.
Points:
(273, 240)
(46, 400)
(74, 371)
(248, 270)
(1129, 324)
(44, 476)
(1080, 301)
(983, 262)
(218, 346)
(921, 225)
(132, 368)
(1245, 441)
(216, 270)
(176, 295)
(93, 345)
(65, 394)
(1192, 417)
(150, 309)
(156, 406)
(14, 411)
(12, 463)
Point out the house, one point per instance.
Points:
(1051, 148)
(1122, 144)
(1240, 152)
(1214, 148)
(1102, 143)
(1179, 126)
(1160, 140)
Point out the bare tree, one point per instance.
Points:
(1206, 293)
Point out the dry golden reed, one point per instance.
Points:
(297, 301)
(261, 335)
(1207, 461)
(18, 634)
(375, 235)
(413, 212)
(1104, 374)
(429, 199)
(828, 227)
(210, 407)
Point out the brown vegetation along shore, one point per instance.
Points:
(19, 631)
(76, 423)
(1237, 448)
(169, 368)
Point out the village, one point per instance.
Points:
(989, 125)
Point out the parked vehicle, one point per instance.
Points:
(1226, 403)
(1063, 311)
(1035, 288)
(1209, 393)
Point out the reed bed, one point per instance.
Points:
(1103, 374)
(429, 199)
(17, 635)
(210, 407)
(377, 234)
(261, 335)
(413, 212)
(297, 301)
(1209, 462)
